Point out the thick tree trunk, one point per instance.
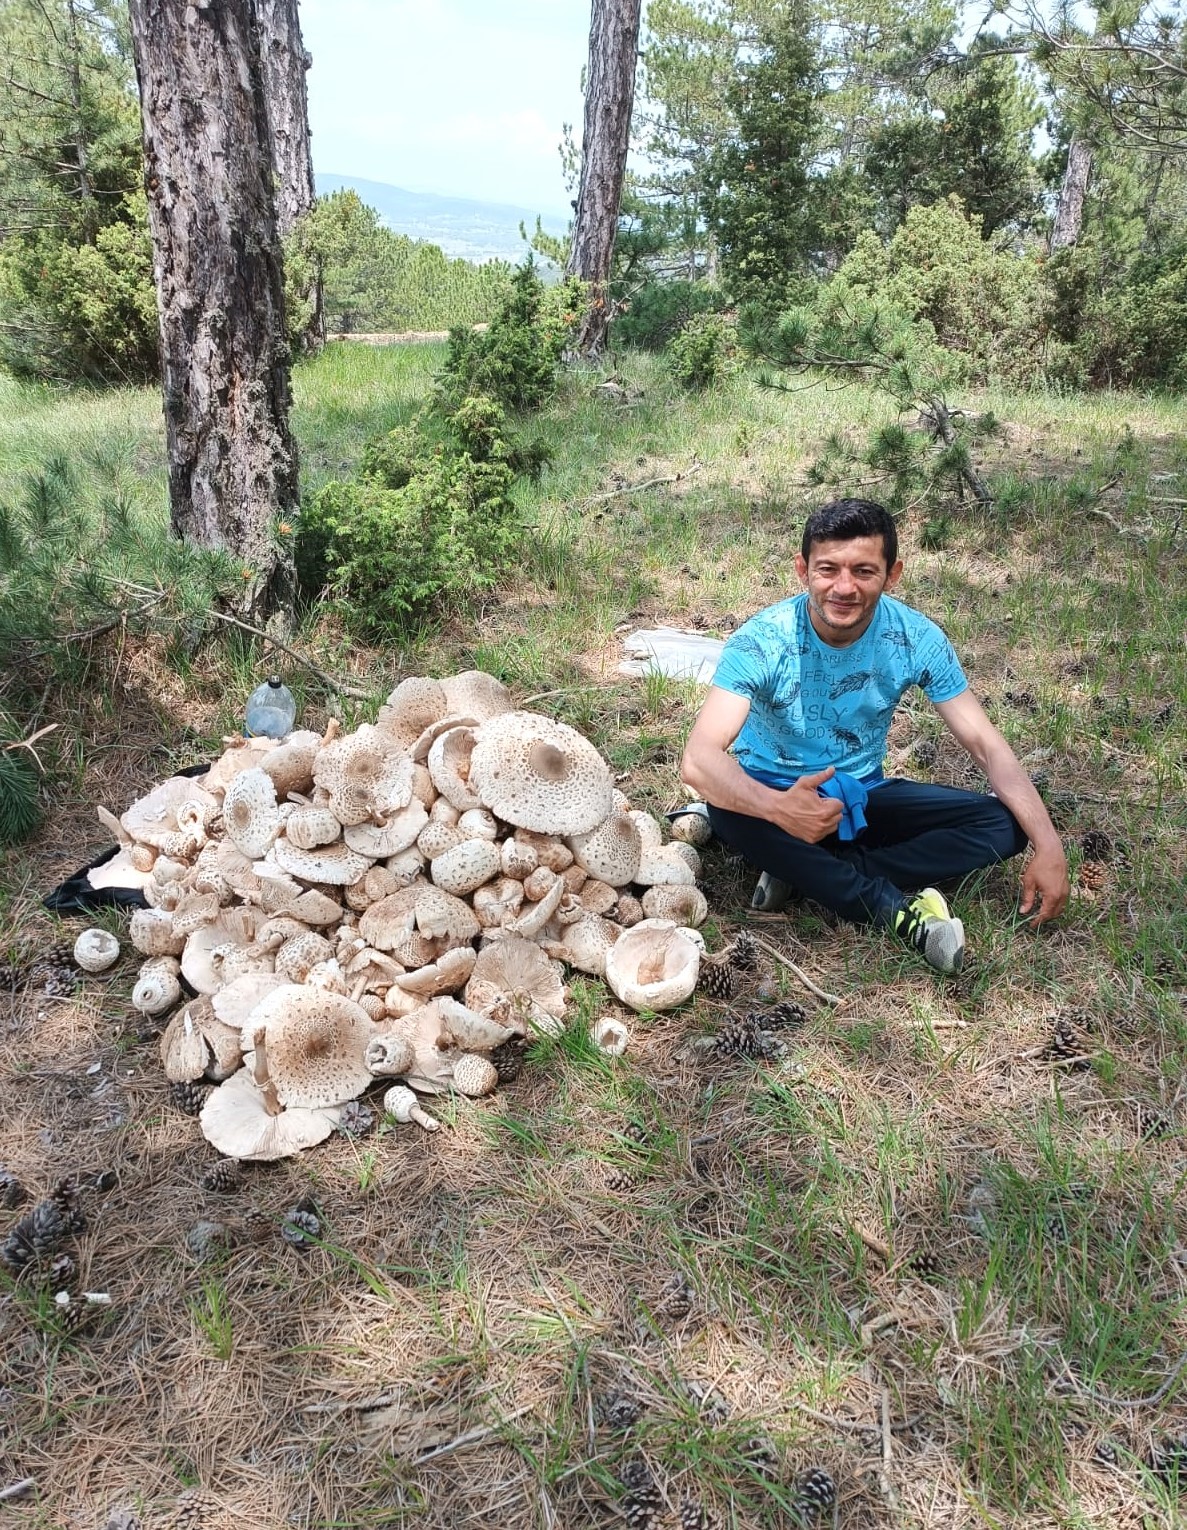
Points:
(609, 96)
(1069, 214)
(220, 287)
(285, 61)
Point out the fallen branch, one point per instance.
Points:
(15, 1490)
(27, 743)
(887, 1485)
(342, 687)
(471, 1437)
(637, 488)
(1140, 532)
(1108, 1401)
(786, 961)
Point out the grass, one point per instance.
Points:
(735, 1247)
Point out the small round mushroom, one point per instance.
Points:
(151, 932)
(157, 988)
(474, 1075)
(685, 905)
(610, 1036)
(96, 950)
(466, 867)
(692, 828)
(389, 1054)
(401, 1103)
(310, 827)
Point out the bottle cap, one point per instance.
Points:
(275, 681)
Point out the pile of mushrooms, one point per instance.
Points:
(393, 903)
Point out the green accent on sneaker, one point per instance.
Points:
(927, 924)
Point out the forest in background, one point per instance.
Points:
(1009, 187)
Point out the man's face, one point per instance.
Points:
(844, 581)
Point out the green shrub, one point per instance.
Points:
(704, 352)
(983, 304)
(515, 360)
(427, 523)
(660, 309)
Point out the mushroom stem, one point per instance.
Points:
(333, 729)
(259, 1071)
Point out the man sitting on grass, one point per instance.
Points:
(788, 751)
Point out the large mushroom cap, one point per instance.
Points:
(235, 1119)
(540, 774)
(152, 820)
(612, 851)
(250, 812)
(315, 1042)
(476, 694)
(511, 976)
(654, 966)
(335, 864)
(366, 773)
(414, 705)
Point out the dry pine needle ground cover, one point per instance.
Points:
(934, 1243)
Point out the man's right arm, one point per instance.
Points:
(710, 769)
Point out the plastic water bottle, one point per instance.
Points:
(271, 710)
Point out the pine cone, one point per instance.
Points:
(618, 1410)
(1152, 1124)
(1095, 845)
(642, 1503)
(301, 1226)
(678, 1297)
(223, 1177)
(356, 1118)
(258, 1226)
(35, 1237)
(716, 977)
(711, 1407)
(744, 1036)
(189, 1098)
(925, 1265)
(1068, 1045)
(743, 954)
(1105, 1451)
(1168, 1460)
(76, 1313)
(783, 1015)
(62, 1271)
(195, 1511)
(815, 1494)
(760, 1453)
(66, 1195)
(12, 975)
(507, 1058)
(1093, 875)
(695, 1516)
(12, 1192)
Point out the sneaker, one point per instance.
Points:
(927, 924)
(771, 895)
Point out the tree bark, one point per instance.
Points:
(609, 96)
(285, 62)
(1069, 213)
(220, 288)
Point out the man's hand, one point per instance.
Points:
(807, 815)
(1044, 885)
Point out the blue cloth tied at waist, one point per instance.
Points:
(852, 792)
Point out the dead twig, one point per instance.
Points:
(342, 687)
(887, 1485)
(786, 961)
(637, 488)
(27, 743)
(471, 1437)
(1107, 1401)
(15, 1490)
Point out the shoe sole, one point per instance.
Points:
(950, 959)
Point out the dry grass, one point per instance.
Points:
(700, 1237)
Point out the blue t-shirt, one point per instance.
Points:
(812, 705)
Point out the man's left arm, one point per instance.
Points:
(1044, 880)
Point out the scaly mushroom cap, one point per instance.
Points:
(540, 774)
(449, 766)
(654, 966)
(412, 706)
(243, 754)
(612, 851)
(474, 1075)
(475, 692)
(96, 950)
(479, 823)
(309, 827)
(466, 867)
(185, 1052)
(496, 903)
(300, 954)
(388, 1055)
(397, 834)
(234, 1002)
(235, 927)
(290, 765)
(235, 1119)
(250, 814)
(366, 773)
(684, 905)
(157, 988)
(335, 864)
(151, 932)
(315, 1043)
(663, 865)
(152, 819)
(514, 969)
(585, 943)
(446, 975)
(692, 829)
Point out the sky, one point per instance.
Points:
(465, 98)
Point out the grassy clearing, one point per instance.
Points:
(917, 1250)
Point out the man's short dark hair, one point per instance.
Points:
(844, 519)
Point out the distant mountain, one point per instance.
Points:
(476, 231)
